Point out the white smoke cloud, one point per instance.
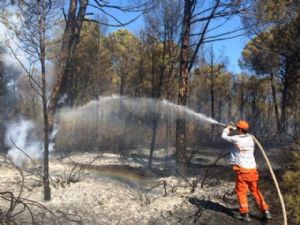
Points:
(9, 40)
(21, 134)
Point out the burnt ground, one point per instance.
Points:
(115, 190)
(213, 209)
(221, 210)
(215, 202)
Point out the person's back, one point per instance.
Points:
(243, 161)
(242, 154)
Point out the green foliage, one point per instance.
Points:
(274, 54)
(124, 55)
(258, 56)
(292, 187)
(89, 75)
(200, 87)
(275, 10)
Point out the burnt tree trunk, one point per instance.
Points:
(275, 102)
(242, 100)
(121, 141)
(254, 112)
(42, 45)
(139, 86)
(212, 93)
(230, 105)
(70, 39)
(284, 100)
(157, 96)
(169, 88)
(181, 145)
(283, 108)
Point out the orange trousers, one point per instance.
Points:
(247, 179)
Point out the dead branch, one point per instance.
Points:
(201, 39)
(225, 33)
(10, 215)
(229, 192)
(208, 10)
(140, 196)
(9, 162)
(130, 8)
(225, 38)
(19, 210)
(190, 182)
(71, 217)
(36, 168)
(207, 172)
(160, 183)
(72, 175)
(141, 9)
(37, 88)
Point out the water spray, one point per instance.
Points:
(221, 124)
(104, 107)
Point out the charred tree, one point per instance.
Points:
(42, 45)
(162, 25)
(70, 39)
(74, 22)
(212, 89)
(181, 144)
(275, 101)
(156, 94)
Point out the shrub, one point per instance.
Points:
(292, 187)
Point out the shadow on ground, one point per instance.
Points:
(207, 204)
(213, 213)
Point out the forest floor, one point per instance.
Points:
(89, 188)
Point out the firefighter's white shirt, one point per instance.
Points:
(243, 152)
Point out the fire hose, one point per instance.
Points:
(273, 177)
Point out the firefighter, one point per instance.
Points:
(243, 162)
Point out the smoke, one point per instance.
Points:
(22, 135)
(19, 135)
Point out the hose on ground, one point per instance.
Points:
(274, 179)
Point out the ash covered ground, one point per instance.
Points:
(89, 188)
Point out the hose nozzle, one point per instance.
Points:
(224, 125)
(221, 124)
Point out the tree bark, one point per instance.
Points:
(242, 100)
(212, 93)
(158, 94)
(275, 102)
(283, 108)
(181, 157)
(42, 32)
(285, 93)
(230, 105)
(254, 112)
(139, 86)
(70, 39)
